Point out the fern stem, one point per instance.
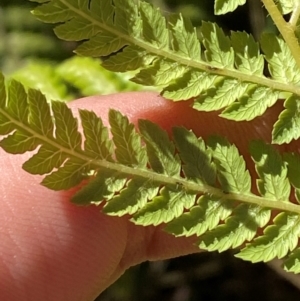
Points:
(190, 63)
(286, 29)
(160, 179)
(295, 16)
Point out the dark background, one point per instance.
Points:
(204, 276)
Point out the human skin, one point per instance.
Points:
(53, 250)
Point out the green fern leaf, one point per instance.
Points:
(187, 87)
(165, 207)
(161, 151)
(238, 228)
(202, 217)
(41, 121)
(293, 162)
(286, 6)
(103, 186)
(134, 197)
(225, 6)
(248, 58)
(282, 66)
(273, 182)
(218, 46)
(292, 263)
(277, 240)
(66, 126)
(165, 52)
(192, 187)
(255, 103)
(195, 157)
(287, 127)
(45, 160)
(185, 41)
(231, 167)
(154, 26)
(129, 150)
(224, 94)
(21, 140)
(233, 178)
(53, 12)
(67, 176)
(97, 143)
(161, 73)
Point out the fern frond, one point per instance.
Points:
(191, 186)
(219, 71)
(225, 6)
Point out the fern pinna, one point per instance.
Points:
(192, 186)
(221, 72)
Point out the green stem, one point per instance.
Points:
(286, 29)
(159, 179)
(295, 16)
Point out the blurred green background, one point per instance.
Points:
(30, 52)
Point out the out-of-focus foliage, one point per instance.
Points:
(32, 54)
(23, 37)
(72, 78)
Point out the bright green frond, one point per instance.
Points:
(219, 51)
(293, 163)
(238, 228)
(184, 37)
(282, 65)
(67, 176)
(129, 150)
(292, 263)
(273, 182)
(90, 78)
(54, 12)
(277, 240)
(288, 124)
(66, 126)
(101, 187)
(225, 6)
(96, 143)
(154, 26)
(206, 215)
(247, 55)
(286, 6)
(135, 196)
(161, 151)
(165, 207)
(250, 105)
(220, 71)
(196, 158)
(224, 93)
(191, 186)
(231, 167)
(42, 76)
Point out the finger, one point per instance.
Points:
(53, 250)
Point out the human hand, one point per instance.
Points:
(53, 250)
